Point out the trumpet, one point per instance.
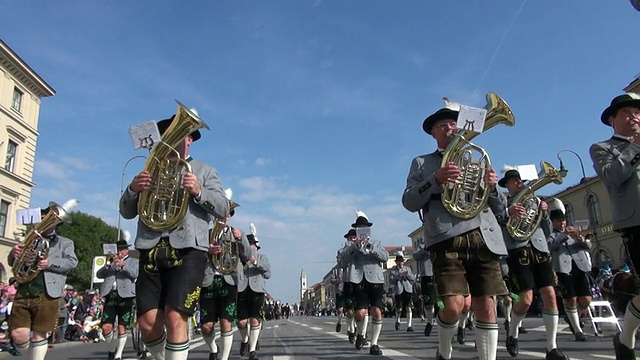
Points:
(364, 246)
(113, 258)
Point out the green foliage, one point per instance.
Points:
(88, 233)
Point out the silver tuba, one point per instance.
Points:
(468, 196)
(522, 226)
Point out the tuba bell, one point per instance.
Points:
(35, 247)
(226, 262)
(522, 226)
(164, 205)
(468, 196)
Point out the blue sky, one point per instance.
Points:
(315, 107)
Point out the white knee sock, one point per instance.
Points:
(429, 311)
(227, 344)
(375, 331)
(253, 337)
(507, 311)
(631, 325)
(445, 333)
(157, 347)
(487, 340)
(365, 323)
(112, 341)
(210, 340)
(409, 317)
(351, 324)
(398, 314)
(463, 320)
(177, 351)
(550, 319)
(516, 319)
(244, 333)
(39, 350)
(572, 314)
(121, 341)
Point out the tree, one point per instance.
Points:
(88, 233)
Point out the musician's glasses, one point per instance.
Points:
(631, 113)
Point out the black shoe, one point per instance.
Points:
(144, 355)
(213, 356)
(580, 336)
(512, 346)
(375, 350)
(397, 325)
(111, 356)
(244, 348)
(506, 326)
(338, 327)
(117, 359)
(522, 330)
(352, 337)
(556, 354)
(622, 351)
(253, 355)
(427, 329)
(470, 325)
(359, 342)
(460, 336)
(410, 329)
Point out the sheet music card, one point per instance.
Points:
(109, 249)
(527, 172)
(471, 118)
(581, 225)
(363, 233)
(145, 135)
(28, 216)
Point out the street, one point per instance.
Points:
(303, 337)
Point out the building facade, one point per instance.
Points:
(21, 91)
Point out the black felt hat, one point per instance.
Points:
(122, 244)
(163, 125)
(362, 221)
(444, 113)
(620, 101)
(508, 175)
(253, 240)
(557, 214)
(351, 232)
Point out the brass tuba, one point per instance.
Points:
(521, 227)
(468, 196)
(226, 262)
(163, 206)
(35, 247)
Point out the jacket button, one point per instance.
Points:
(181, 227)
(490, 229)
(485, 210)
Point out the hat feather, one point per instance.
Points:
(361, 214)
(253, 231)
(450, 104)
(70, 204)
(506, 168)
(228, 193)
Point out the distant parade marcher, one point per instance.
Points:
(402, 279)
(427, 286)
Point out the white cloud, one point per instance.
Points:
(262, 161)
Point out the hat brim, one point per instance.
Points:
(163, 125)
(612, 109)
(367, 224)
(427, 124)
(503, 182)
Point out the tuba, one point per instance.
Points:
(468, 196)
(226, 262)
(35, 247)
(164, 205)
(521, 227)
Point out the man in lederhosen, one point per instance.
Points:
(37, 302)
(427, 285)
(347, 289)
(219, 293)
(571, 262)
(530, 268)
(251, 294)
(616, 162)
(402, 279)
(363, 259)
(465, 260)
(172, 262)
(337, 280)
(119, 292)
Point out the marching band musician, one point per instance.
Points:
(402, 279)
(36, 305)
(219, 293)
(616, 162)
(119, 292)
(363, 259)
(465, 259)
(251, 295)
(347, 289)
(172, 262)
(337, 280)
(530, 266)
(571, 262)
(427, 285)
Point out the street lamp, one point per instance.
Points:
(124, 168)
(564, 171)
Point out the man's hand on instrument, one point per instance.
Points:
(516, 209)
(43, 264)
(448, 173)
(118, 262)
(190, 182)
(17, 250)
(237, 234)
(142, 181)
(544, 206)
(491, 178)
(215, 249)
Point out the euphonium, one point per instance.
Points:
(468, 196)
(521, 227)
(226, 262)
(35, 247)
(163, 206)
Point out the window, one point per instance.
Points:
(569, 213)
(4, 211)
(594, 210)
(10, 161)
(17, 99)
